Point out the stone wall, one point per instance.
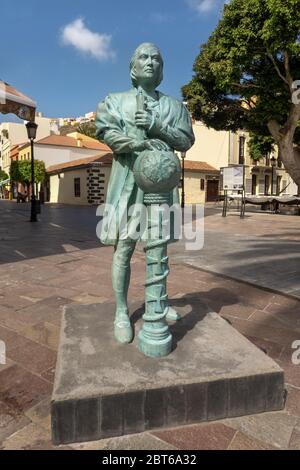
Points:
(97, 177)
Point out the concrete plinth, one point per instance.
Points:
(104, 389)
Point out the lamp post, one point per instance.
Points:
(273, 163)
(183, 155)
(31, 132)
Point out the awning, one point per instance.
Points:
(13, 101)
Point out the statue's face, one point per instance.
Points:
(148, 65)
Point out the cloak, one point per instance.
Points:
(115, 125)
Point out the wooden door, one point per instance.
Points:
(212, 191)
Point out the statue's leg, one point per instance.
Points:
(120, 281)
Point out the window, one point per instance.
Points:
(77, 187)
(202, 184)
(242, 150)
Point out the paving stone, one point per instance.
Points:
(237, 310)
(40, 414)
(271, 349)
(293, 401)
(295, 438)
(291, 372)
(33, 356)
(243, 248)
(85, 298)
(142, 441)
(9, 318)
(49, 310)
(8, 363)
(11, 426)
(29, 437)
(274, 428)
(280, 336)
(49, 374)
(44, 333)
(278, 320)
(16, 297)
(7, 414)
(201, 437)
(21, 389)
(41, 274)
(72, 279)
(243, 442)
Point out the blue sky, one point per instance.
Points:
(69, 54)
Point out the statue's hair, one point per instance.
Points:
(134, 57)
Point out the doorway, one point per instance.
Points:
(278, 185)
(212, 191)
(254, 185)
(267, 185)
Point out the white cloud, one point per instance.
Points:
(95, 44)
(204, 6)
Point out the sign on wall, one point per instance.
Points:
(233, 177)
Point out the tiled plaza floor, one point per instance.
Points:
(59, 261)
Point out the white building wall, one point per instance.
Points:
(54, 155)
(17, 134)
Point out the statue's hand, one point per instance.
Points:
(158, 144)
(143, 119)
(150, 144)
(140, 145)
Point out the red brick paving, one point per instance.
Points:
(215, 436)
(33, 291)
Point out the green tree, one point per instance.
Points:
(20, 171)
(260, 146)
(245, 76)
(3, 176)
(87, 128)
(67, 129)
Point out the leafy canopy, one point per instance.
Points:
(244, 73)
(3, 176)
(20, 171)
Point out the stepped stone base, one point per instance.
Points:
(104, 389)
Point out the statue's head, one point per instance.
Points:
(146, 65)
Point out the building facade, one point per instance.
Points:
(12, 134)
(83, 181)
(224, 148)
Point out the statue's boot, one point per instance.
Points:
(122, 327)
(172, 315)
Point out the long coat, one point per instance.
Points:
(115, 124)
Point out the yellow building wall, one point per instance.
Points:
(192, 191)
(78, 135)
(25, 153)
(62, 187)
(210, 146)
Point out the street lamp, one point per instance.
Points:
(183, 155)
(273, 163)
(31, 132)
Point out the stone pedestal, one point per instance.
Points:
(104, 389)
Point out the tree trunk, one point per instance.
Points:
(290, 156)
